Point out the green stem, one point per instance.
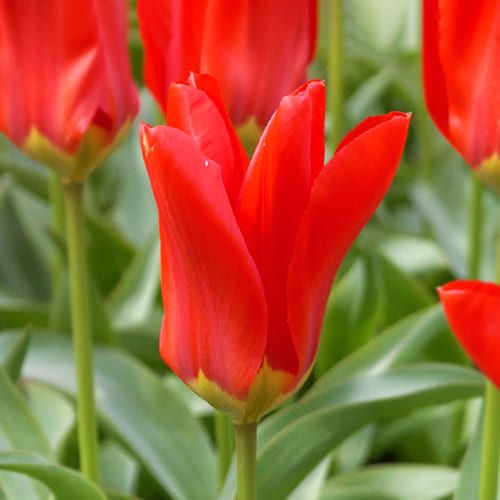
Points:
(488, 489)
(82, 337)
(224, 440)
(246, 460)
(475, 227)
(334, 75)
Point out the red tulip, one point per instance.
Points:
(258, 50)
(66, 93)
(473, 311)
(461, 57)
(249, 251)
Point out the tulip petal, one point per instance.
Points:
(343, 198)
(172, 33)
(461, 57)
(196, 108)
(63, 68)
(215, 314)
(473, 311)
(274, 195)
(259, 51)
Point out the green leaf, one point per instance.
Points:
(13, 347)
(63, 482)
(312, 484)
(295, 439)
(119, 471)
(23, 268)
(397, 482)
(352, 313)
(19, 431)
(19, 313)
(133, 298)
(55, 414)
(28, 173)
(403, 294)
(468, 484)
(399, 344)
(138, 408)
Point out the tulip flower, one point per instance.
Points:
(461, 57)
(473, 311)
(258, 50)
(250, 249)
(66, 92)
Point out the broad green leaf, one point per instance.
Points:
(140, 410)
(468, 484)
(142, 341)
(55, 414)
(355, 451)
(119, 470)
(352, 313)
(23, 269)
(13, 347)
(19, 431)
(124, 183)
(133, 298)
(402, 294)
(294, 440)
(399, 344)
(429, 435)
(109, 253)
(196, 405)
(312, 485)
(397, 482)
(414, 255)
(19, 313)
(34, 216)
(443, 201)
(297, 438)
(63, 482)
(26, 171)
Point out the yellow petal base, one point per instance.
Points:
(489, 172)
(73, 167)
(268, 390)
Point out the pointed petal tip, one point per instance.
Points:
(372, 122)
(145, 134)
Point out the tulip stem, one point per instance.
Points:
(491, 444)
(82, 337)
(334, 75)
(224, 439)
(475, 227)
(246, 460)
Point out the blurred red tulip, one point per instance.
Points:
(66, 92)
(249, 251)
(473, 311)
(461, 57)
(258, 50)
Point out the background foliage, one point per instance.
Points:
(391, 409)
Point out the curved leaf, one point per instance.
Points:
(294, 440)
(63, 482)
(140, 409)
(397, 482)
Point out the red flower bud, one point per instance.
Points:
(473, 312)
(250, 250)
(258, 50)
(461, 57)
(66, 93)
